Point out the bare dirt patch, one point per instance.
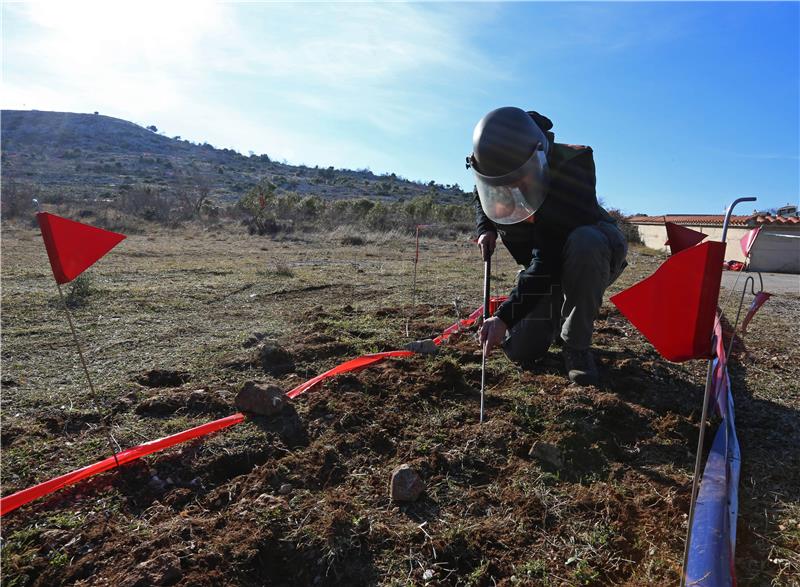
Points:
(302, 497)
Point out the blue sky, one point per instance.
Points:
(687, 105)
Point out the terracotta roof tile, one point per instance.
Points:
(777, 219)
(714, 219)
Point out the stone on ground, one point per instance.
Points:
(547, 454)
(260, 399)
(426, 347)
(164, 569)
(406, 484)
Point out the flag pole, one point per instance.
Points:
(80, 245)
(416, 260)
(95, 398)
(704, 415)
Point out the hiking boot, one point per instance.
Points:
(580, 366)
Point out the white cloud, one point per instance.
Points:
(95, 36)
(346, 43)
(250, 76)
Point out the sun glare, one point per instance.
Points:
(100, 34)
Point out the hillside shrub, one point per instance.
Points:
(630, 231)
(16, 199)
(267, 212)
(79, 291)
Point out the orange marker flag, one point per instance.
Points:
(72, 246)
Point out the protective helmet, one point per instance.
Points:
(509, 159)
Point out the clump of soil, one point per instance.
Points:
(69, 422)
(163, 378)
(199, 401)
(265, 355)
(318, 345)
(300, 497)
(273, 359)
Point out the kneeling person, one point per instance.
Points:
(539, 197)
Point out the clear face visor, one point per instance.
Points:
(516, 196)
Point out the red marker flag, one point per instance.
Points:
(72, 246)
(675, 307)
(758, 301)
(749, 240)
(680, 238)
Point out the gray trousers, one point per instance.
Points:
(592, 259)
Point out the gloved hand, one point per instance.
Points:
(486, 243)
(492, 333)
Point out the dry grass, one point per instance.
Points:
(188, 301)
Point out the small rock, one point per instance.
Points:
(425, 347)
(427, 575)
(285, 489)
(547, 454)
(156, 483)
(264, 400)
(164, 569)
(406, 484)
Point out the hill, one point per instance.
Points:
(71, 156)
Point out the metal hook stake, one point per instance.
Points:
(706, 398)
(739, 311)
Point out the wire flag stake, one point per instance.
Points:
(703, 417)
(487, 273)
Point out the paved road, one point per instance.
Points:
(777, 283)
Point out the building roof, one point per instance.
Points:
(769, 219)
(716, 219)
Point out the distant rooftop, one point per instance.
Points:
(716, 219)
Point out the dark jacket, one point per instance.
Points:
(571, 202)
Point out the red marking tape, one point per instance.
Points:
(20, 498)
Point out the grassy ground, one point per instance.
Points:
(186, 302)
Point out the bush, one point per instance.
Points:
(16, 199)
(80, 290)
(630, 231)
(146, 202)
(265, 211)
(283, 269)
(353, 241)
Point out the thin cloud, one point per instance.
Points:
(346, 43)
(753, 156)
(602, 28)
(369, 65)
